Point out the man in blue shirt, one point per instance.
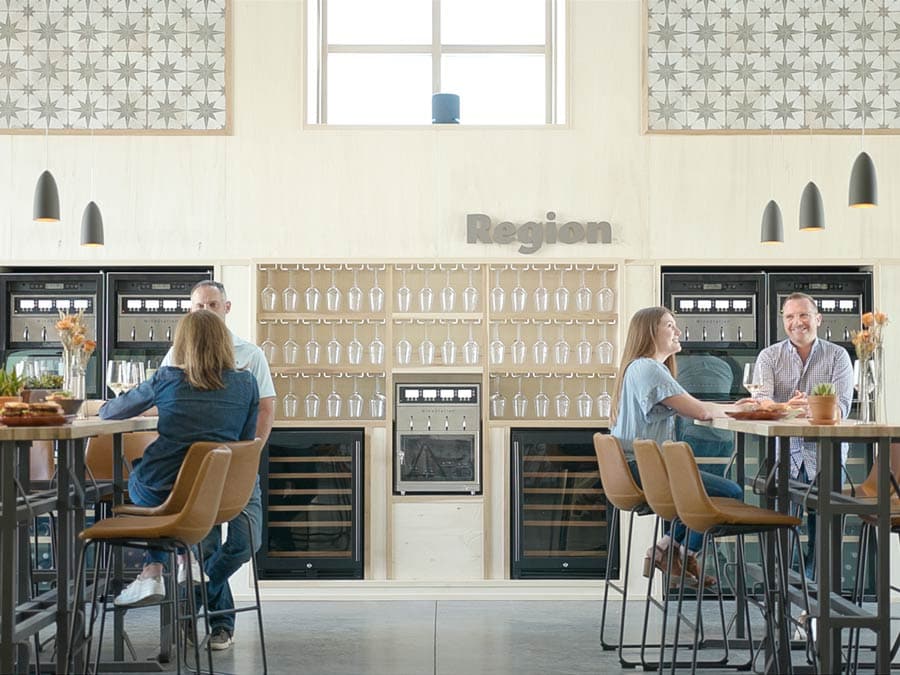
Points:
(222, 559)
(788, 370)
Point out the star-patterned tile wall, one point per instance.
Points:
(142, 65)
(742, 65)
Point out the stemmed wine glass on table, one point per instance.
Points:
(123, 376)
(752, 382)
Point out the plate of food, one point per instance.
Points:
(764, 411)
(43, 414)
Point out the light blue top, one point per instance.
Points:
(641, 413)
(247, 356)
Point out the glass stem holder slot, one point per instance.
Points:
(544, 335)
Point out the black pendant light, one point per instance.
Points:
(46, 194)
(863, 183)
(772, 230)
(46, 199)
(812, 210)
(92, 226)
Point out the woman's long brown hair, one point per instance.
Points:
(640, 342)
(203, 349)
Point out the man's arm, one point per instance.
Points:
(265, 418)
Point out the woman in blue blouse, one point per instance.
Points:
(645, 403)
(203, 398)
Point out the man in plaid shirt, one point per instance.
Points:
(788, 370)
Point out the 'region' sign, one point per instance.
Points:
(532, 235)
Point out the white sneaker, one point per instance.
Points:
(141, 592)
(195, 571)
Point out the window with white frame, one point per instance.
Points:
(378, 62)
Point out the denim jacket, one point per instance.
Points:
(186, 415)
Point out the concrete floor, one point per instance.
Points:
(423, 637)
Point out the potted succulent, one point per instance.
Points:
(10, 387)
(823, 404)
(37, 388)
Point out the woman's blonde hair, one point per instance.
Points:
(203, 349)
(640, 342)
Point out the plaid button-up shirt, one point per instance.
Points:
(782, 372)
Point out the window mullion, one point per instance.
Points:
(435, 46)
(323, 61)
(550, 60)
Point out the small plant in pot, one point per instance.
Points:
(823, 404)
(10, 386)
(37, 388)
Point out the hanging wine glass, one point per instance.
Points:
(604, 403)
(541, 401)
(354, 294)
(426, 350)
(561, 400)
(561, 348)
(268, 296)
(448, 350)
(291, 349)
(471, 351)
(376, 349)
(583, 402)
(377, 403)
(448, 296)
(541, 294)
(404, 295)
(583, 348)
(603, 350)
(355, 402)
(404, 350)
(376, 295)
(312, 294)
(583, 296)
(333, 294)
(290, 400)
(290, 298)
(498, 401)
(517, 350)
(333, 401)
(268, 345)
(311, 402)
(519, 295)
(426, 295)
(312, 347)
(605, 298)
(333, 348)
(520, 400)
(498, 295)
(496, 348)
(354, 350)
(540, 349)
(561, 294)
(470, 296)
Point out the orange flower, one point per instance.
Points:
(881, 318)
(868, 319)
(90, 346)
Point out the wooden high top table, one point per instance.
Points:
(834, 613)
(20, 615)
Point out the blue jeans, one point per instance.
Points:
(715, 486)
(222, 559)
(142, 494)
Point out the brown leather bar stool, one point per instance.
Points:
(868, 490)
(721, 517)
(655, 483)
(182, 529)
(238, 489)
(623, 494)
(98, 458)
